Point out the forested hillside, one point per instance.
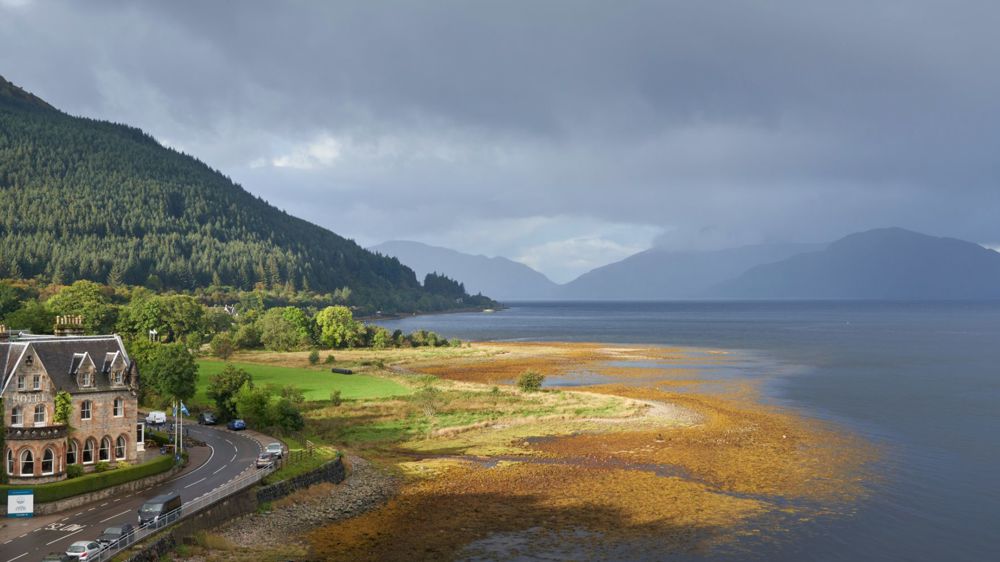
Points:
(86, 199)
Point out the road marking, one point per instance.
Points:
(60, 538)
(36, 530)
(234, 458)
(118, 499)
(91, 509)
(193, 483)
(78, 514)
(230, 442)
(64, 518)
(210, 456)
(8, 541)
(18, 556)
(218, 470)
(104, 504)
(115, 515)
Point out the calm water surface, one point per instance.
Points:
(920, 379)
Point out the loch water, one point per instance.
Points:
(921, 380)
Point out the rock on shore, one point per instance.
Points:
(365, 488)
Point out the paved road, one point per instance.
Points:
(227, 455)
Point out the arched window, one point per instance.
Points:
(88, 451)
(27, 463)
(72, 451)
(40, 414)
(120, 447)
(16, 416)
(85, 409)
(105, 453)
(10, 462)
(48, 461)
(119, 407)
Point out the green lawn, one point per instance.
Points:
(316, 384)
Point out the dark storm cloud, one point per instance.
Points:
(547, 130)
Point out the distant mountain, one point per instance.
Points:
(888, 263)
(88, 199)
(500, 278)
(658, 274)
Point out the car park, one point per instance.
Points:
(265, 460)
(84, 550)
(276, 449)
(237, 425)
(120, 535)
(207, 418)
(160, 510)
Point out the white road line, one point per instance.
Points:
(18, 556)
(104, 504)
(62, 537)
(36, 530)
(115, 515)
(210, 456)
(78, 514)
(8, 541)
(118, 499)
(230, 442)
(91, 509)
(234, 458)
(193, 483)
(218, 470)
(22, 536)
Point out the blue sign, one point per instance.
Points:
(20, 503)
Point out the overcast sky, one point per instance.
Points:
(563, 134)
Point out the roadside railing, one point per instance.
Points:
(186, 510)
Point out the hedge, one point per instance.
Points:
(92, 482)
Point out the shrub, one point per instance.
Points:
(223, 346)
(530, 381)
(335, 398)
(330, 359)
(123, 465)
(102, 466)
(314, 357)
(94, 481)
(74, 470)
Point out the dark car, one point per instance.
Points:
(207, 418)
(237, 425)
(58, 557)
(160, 510)
(123, 533)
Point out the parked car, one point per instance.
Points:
(160, 510)
(123, 533)
(207, 418)
(265, 460)
(156, 418)
(237, 425)
(275, 449)
(58, 557)
(84, 550)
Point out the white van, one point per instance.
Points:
(156, 418)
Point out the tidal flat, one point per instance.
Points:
(659, 463)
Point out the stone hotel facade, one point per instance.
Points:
(102, 382)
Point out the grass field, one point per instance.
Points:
(316, 383)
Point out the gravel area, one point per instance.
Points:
(365, 488)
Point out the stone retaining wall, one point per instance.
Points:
(332, 471)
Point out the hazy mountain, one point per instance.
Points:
(500, 278)
(888, 263)
(662, 274)
(88, 199)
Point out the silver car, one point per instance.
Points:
(84, 550)
(275, 449)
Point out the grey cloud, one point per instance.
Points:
(716, 122)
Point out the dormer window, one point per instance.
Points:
(118, 377)
(86, 379)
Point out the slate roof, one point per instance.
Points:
(62, 354)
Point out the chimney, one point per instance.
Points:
(69, 325)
